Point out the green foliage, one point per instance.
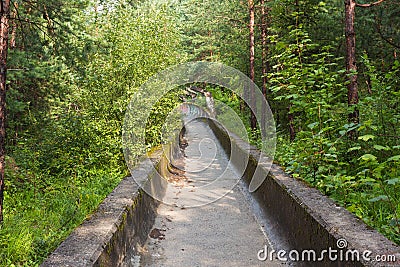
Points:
(66, 114)
(379, 26)
(74, 68)
(362, 175)
(307, 82)
(215, 31)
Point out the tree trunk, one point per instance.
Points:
(292, 132)
(4, 14)
(253, 120)
(14, 17)
(351, 67)
(265, 63)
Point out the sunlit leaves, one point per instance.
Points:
(379, 147)
(368, 157)
(366, 137)
(394, 158)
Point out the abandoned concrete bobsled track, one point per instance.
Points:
(236, 228)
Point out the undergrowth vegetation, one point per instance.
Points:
(361, 175)
(65, 155)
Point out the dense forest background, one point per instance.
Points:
(73, 66)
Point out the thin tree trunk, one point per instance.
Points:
(253, 120)
(4, 18)
(265, 63)
(351, 67)
(292, 132)
(211, 47)
(50, 28)
(13, 41)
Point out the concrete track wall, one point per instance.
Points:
(122, 220)
(300, 217)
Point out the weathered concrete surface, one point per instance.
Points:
(208, 221)
(301, 218)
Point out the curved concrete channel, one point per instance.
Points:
(207, 217)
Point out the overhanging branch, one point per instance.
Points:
(370, 5)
